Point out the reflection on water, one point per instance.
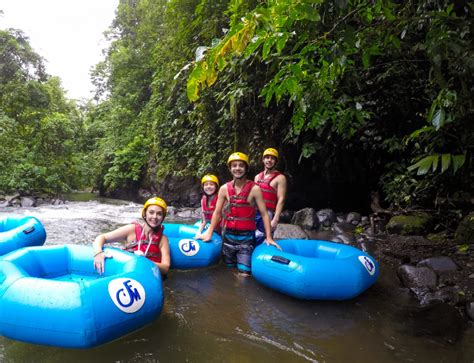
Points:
(213, 315)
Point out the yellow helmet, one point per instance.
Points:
(210, 178)
(271, 151)
(238, 156)
(154, 201)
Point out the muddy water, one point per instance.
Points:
(212, 315)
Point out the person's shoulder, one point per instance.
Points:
(280, 175)
(223, 188)
(135, 224)
(255, 187)
(132, 227)
(123, 231)
(164, 240)
(223, 191)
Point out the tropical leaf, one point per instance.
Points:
(423, 165)
(458, 162)
(438, 118)
(445, 162)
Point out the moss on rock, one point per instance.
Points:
(416, 224)
(465, 231)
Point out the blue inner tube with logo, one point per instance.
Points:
(18, 232)
(187, 252)
(51, 295)
(314, 269)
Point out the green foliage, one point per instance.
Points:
(38, 125)
(128, 164)
(325, 61)
(431, 162)
(380, 84)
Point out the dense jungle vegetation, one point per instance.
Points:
(358, 96)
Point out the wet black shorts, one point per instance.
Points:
(237, 250)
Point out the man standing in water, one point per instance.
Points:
(241, 197)
(273, 185)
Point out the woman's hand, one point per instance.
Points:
(99, 261)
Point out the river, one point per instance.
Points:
(212, 315)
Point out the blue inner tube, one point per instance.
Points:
(186, 251)
(314, 269)
(18, 232)
(52, 296)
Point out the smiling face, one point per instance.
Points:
(238, 169)
(209, 188)
(154, 215)
(269, 162)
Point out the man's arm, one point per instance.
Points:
(256, 193)
(281, 195)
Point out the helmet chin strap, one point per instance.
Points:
(154, 229)
(242, 176)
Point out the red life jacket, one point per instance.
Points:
(269, 194)
(154, 251)
(207, 211)
(239, 214)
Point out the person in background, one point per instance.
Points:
(240, 197)
(143, 239)
(210, 186)
(273, 185)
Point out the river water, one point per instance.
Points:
(213, 315)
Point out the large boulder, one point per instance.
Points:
(289, 231)
(439, 264)
(353, 218)
(415, 224)
(465, 231)
(326, 217)
(412, 276)
(306, 218)
(28, 202)
(446, 294)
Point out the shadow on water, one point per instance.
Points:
(213, 315)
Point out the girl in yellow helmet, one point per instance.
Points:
(143, 239)
(210, 186)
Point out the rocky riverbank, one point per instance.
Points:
(18, 200)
